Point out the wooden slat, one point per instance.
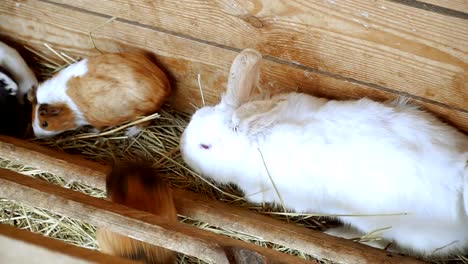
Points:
(140, 225)
(379, 42)
(195, 206)
(458, 5)
(34, 23)
(21, 246)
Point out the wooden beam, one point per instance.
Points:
(384, 43)
(69, 167)
(35, 23)
(315, 243)
(140, 225)
(21, 246)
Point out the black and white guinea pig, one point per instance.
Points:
(17, 69)
(7, 83)
(14, 117)
(101, 91)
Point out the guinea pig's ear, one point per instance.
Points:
(49, 110)
(31, 96)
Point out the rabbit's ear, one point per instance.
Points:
(243, 78)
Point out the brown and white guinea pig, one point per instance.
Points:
(138, 186)
(101, 91)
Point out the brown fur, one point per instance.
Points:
(119, 87)
(138, 186)
(57, 116)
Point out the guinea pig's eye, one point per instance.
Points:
(205, 146)
(44, 124)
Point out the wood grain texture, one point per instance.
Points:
(197, 207)
(140, 225)
(458, 5)
(379, 42)
(34, 23)
(21, 246)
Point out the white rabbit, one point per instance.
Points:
(13, 63)
(338, 157)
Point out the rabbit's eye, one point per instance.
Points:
(205, 146)
(44, 124)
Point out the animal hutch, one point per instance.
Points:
(381, 49)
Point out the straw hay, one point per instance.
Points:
(159, 143)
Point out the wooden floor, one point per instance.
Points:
(333, 48)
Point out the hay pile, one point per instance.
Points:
(159, 143)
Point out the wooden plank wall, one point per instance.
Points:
(333, 48)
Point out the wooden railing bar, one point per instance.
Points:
(22, 246)
(140, 225)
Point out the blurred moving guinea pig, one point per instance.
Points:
(101, 91)
(15, 68)
(138, 186)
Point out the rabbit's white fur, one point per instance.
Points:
(338, 157)
(12, 61)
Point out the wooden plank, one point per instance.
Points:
(383, 43)
(195, 206)
(21, 246)
(458, 5)
(140, 225)
(34, 23)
